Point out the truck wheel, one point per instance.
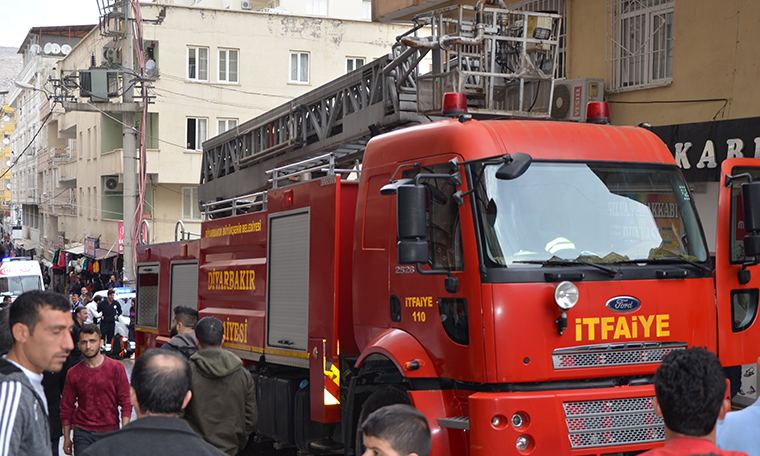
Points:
(387, 395)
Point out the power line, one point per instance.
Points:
(44, 121)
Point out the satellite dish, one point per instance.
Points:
(6, 118)
(48, 48)
(65, 49)
(8, 186)
(8, 163)
(56, 48)
(35, 49)
(6, 141)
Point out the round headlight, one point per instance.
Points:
(566, 295)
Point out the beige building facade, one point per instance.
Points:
(214, 69)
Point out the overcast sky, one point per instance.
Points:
(18, 16)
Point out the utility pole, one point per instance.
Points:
(129, 157)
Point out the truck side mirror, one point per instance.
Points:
(751, 203)
(751, 200)
(515, 167)
(411, 219)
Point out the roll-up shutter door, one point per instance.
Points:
(184, 286)
(288, 297)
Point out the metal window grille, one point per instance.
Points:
(550, 6)
(639, 44)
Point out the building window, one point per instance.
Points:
(299, 67)
(225, 124)
(640, 41)
(197, 132)
(556, 7)
(197, 64)
(316, 7)
(228, 65)
(190, 210)
(353, 63)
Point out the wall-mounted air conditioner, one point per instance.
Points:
(112, 185)
(246, 5)
(572, 95)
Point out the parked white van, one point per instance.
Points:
(18, 275)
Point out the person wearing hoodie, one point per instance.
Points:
(223, 405)
(183, 331)
(40, 324)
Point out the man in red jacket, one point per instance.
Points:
(94, 389)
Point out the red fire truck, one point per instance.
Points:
(518, 281)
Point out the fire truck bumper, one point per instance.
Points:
(588, 421)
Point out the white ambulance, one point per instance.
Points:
(18, 275)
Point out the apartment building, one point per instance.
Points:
(215, 65)
(34, 141)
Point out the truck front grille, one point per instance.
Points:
(612, 422)
(623, 354)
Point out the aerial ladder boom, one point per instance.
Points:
(503, 60)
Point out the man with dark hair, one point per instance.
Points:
(223, 408)
(160, 390)
(691, 395)
(40, 324)
(94, 390)
(93, 316)
(6, 301)
(110, 311)
(113, 283)
(80, 316)
(183, 331)
(396, 430)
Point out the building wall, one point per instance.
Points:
(715, 67)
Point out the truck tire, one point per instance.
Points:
(386, 395)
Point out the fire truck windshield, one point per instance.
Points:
(601, 213)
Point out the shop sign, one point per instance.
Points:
(90, 246)
(700, 148)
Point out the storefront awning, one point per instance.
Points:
(27, 244)
(100, 254)
(78, 250)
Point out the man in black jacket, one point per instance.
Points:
(160, 390)
(110, 311)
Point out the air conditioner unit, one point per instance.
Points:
(246, 5)
(572, 95)
(112, 185)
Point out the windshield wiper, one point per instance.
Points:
(561, 262)
(671, 260)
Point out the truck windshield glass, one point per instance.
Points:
(591, 212)
(18, 284)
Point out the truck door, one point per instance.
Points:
(447, 324)
(737, 281)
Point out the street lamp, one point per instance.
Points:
(24, 85)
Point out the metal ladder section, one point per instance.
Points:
(255, 202)
(503, 60)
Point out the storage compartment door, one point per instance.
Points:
(184, 286)
(288, 287)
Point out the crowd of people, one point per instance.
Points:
(193, 397)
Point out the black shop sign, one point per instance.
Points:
(700, 148)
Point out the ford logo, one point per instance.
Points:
(623, 304)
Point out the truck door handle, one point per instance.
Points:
(285, 342)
